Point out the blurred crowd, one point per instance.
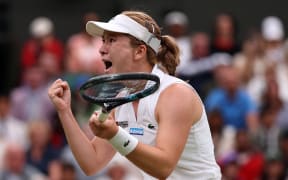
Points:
(242, 82)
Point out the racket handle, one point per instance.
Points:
(103, 116)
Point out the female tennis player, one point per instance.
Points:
(166, 134)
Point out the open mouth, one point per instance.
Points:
(108, 65)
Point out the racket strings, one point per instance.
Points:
(120, 88)
(113, 90)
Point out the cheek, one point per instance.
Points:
(122, 60)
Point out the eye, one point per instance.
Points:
(108, 39)
(112, 39)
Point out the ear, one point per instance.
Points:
(140, 52)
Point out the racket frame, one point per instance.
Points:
(109, 103)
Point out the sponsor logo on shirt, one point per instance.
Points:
(136, 131)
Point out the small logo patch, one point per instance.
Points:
(126, 143)
(136, 131)
(151, 126)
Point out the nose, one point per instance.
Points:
(103, 50)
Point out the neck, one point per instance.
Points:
(143, 67)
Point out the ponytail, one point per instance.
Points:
(168, 55)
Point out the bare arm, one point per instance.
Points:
(91, 155)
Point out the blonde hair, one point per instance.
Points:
(168, 54)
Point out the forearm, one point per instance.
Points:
(81, 147)
(152, 160)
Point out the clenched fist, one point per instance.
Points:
(60, 94)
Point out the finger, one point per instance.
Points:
(58, 80)
(59, 84)
(55, 85)
(93, 119)
(59, 92)
(64, 85)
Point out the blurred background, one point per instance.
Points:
(66, 15)
(234, 53)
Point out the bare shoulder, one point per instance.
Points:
(180, 98)
(180, 90)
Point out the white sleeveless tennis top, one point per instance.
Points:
(197, 160)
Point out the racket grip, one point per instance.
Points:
(103, 116)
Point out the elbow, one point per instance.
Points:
(88, 171)
(165, 172)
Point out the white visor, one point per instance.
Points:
(124, 24)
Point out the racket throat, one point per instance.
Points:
(104, 110)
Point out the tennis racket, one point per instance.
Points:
(112, 90)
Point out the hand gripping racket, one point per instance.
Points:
(112, 90)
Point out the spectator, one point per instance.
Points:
(235, 105)
(42, 39)
(50, 66)
(121, 169)
(271, 59)
(30, 101)
(16, 167)
(250, 61)
(69, 172)
(271, 98)
(59, 170)
(267, 134)
(83, 54)
(249, 161)
(273, 33)
(11, 128)
(55, 170)
(282, 77)
(200, 50)
(40, 152)
(251, 65)
(274, 169)
(198, 69)
(230, 171)
(176, 23)
(224, 34)
(223, 136)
